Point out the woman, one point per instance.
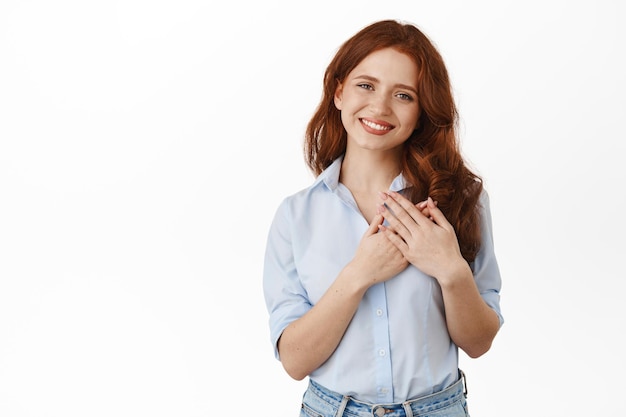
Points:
(379, 271)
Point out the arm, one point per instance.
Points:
(472, 324)
(309, 341)
(431, 245)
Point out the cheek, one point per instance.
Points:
(411, 120)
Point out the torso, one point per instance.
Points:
(367, 204)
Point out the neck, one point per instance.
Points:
(369, 171)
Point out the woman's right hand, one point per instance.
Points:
(377, 259)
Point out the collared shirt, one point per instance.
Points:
(397, 346)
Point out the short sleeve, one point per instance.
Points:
(485, 266)
(285, 297)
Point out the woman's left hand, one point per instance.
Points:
(423, 235)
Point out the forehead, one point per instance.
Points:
(387, 63)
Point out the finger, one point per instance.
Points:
(396, 240)
(423, 207)
(436, 214)
(426, 213)
(395, 224)
(423, 204)
(373, 227)
(404, 209)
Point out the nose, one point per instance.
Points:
(380, 104)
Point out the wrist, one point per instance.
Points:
(456, 272)
(357, 279)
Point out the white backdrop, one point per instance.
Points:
(144, 146)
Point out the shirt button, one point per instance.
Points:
(379, 312)
(381, 352)
(383, 390)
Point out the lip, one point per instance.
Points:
(376, 127)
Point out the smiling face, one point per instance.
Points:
(378, 101)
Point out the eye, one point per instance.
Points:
(365, 86)
(404, 96)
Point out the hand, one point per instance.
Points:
(422, 234)
(377, 257)
(423, 207)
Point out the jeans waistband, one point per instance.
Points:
(455, 392)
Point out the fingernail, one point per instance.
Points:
(382, 195)
(381, 209)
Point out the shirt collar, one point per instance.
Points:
(330, 177)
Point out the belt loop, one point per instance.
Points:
(342, 406)
(407, 409)
(464, 382)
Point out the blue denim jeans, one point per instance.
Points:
(321, 402)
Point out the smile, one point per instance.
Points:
(376, 126)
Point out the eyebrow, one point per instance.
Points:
(374, 79)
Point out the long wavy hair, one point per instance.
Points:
(431, 161)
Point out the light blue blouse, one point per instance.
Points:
(397, 346)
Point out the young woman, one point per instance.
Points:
(379, 271)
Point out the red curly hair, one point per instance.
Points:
(431, 160)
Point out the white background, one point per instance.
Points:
(144, 146)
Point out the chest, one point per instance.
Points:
(367, 205)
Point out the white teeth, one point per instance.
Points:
(375, 125)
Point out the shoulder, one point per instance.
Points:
(483, 199)
(325, 182)
(301, 199)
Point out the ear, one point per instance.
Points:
(338, 96)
